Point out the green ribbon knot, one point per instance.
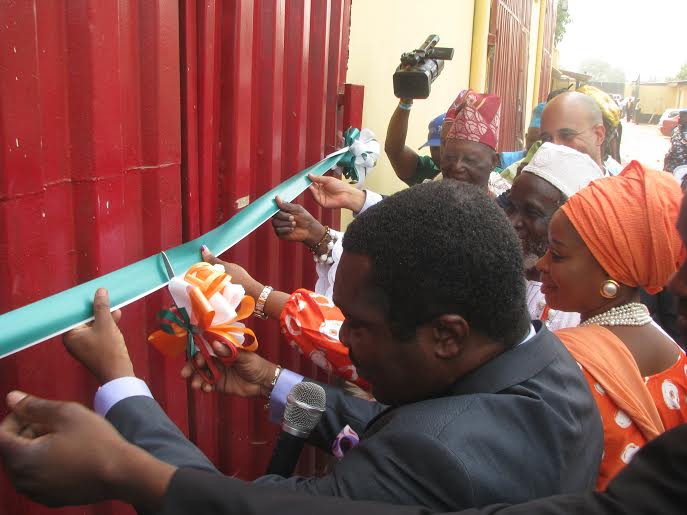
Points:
(347, 162)
(179, 317)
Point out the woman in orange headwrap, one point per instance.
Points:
(613, 237)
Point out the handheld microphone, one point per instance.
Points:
(304, 407)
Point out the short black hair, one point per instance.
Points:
(444, 247)
(557, 92)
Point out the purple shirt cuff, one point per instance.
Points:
(280, 392)
(117, 390)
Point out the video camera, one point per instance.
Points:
(418, 69)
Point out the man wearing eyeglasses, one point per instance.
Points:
(575, 120)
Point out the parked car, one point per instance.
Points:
(668, 121)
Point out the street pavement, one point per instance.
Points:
(643, 143)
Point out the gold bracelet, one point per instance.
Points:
(259, 310)
(277, 373)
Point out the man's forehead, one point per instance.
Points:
(460, 146)
(566, 120)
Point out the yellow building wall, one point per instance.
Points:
(381, 30)
(656, 98)
(681, 96)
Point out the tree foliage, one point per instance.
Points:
(602, 71)
(682, 74)
(563, 18)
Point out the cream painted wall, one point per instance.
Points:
(381, 30)
(682, 96)
(655, 99)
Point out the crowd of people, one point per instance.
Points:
(508, 332)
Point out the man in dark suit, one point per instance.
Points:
(61, 453)
(484, 407)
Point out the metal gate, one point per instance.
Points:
(547, 50)
(127, 127)
(509, 41)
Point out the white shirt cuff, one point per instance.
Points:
(280, 392)
(326, 273)
(371, 198)
(117, 390)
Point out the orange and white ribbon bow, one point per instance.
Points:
(209, 307)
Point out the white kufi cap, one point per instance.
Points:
(565, 168)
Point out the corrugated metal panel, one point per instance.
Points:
(546, 59)
(510, 24)
(127, 127)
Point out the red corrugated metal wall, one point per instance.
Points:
(547, 52)
(509, 34)
(127, 127)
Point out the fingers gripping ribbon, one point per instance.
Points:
(363, 154)
(208, 308)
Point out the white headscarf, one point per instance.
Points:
(565, 168)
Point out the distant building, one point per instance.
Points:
(656, 97)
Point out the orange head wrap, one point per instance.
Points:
(628, 224)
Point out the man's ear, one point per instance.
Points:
(599, 133)
(449, 332)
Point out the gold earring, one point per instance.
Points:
(609, 289)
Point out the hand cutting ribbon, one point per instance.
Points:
(70, 308)
(362, 156)
(216, 307)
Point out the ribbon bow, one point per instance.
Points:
(362, 155)
(208, 308)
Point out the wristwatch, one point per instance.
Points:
(259, 310)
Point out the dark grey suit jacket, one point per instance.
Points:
(653, 483)
(522, 426)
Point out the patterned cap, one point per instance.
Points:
(474, 117)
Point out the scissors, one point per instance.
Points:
(199, 342)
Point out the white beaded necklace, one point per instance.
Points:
(632, 313)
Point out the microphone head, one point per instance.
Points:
(304, 407)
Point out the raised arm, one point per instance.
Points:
(403, 159)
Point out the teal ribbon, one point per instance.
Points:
(54, 315)
(347, 162)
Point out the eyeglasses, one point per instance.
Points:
(565, 134)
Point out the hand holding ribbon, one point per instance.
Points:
(208, 309)
(48, 317)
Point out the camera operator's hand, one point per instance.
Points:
(334, 193)
(294, 223)
(60, 453)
